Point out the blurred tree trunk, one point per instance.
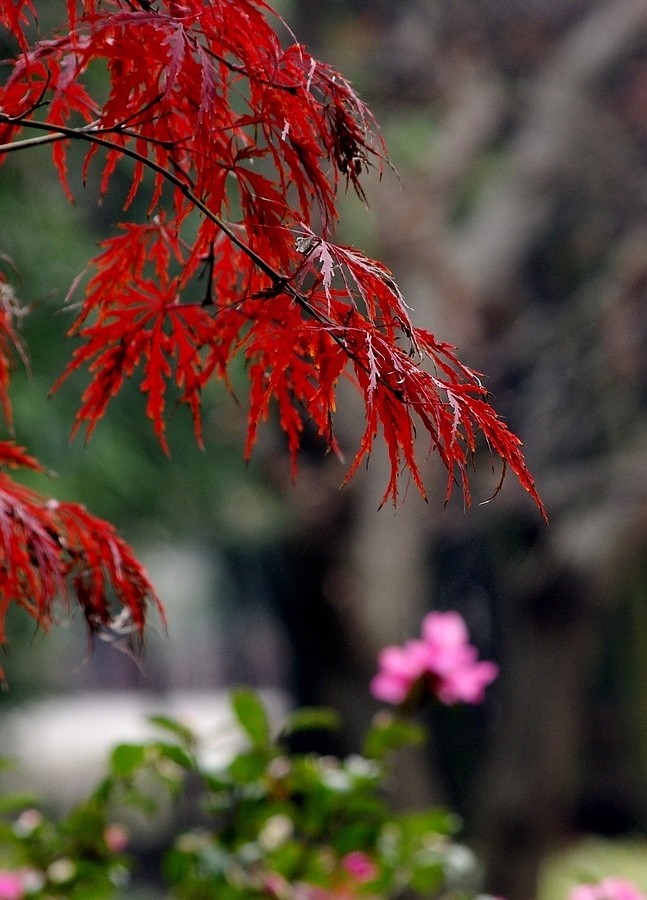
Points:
(520, 236)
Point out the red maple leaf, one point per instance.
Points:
(51, 550)
(248, 140)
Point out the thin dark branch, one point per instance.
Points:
(30, 142)
(280, 283)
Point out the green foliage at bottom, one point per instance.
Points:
(270, 823)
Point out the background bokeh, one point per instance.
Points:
(516, 225)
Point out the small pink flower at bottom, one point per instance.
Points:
(116, 837)
(584, 892)
(360, 866)
(276, 885)
(611, 888)
(11, 886)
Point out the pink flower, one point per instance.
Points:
(11, 886)
(276, 885)
(116, 838)
(584, 892)
(360, 866)
(611, 888)
(400, 667)
(444, 657)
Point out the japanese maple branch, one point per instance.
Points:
(241, 70)
(30, 142)
(93, 134)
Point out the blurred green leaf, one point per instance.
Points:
(429, 822)
(177, 866)
(251, 715)
(126, 759)
(12, 803)
(357, 835)
(175, 754)
(215, 783)
(427, 879)
(288, 859)
(249, 767)
(312, 717)
(389, 733)
(186, 736)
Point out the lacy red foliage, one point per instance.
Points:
(50, 549)
(241, 142)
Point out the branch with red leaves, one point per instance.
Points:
(53, 550)
(241, 144)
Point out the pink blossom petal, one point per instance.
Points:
(116, 838)
(406, 662)
(276, 885)
(445, 656)
(389, 689)
(467, 685)
(444, 628)
(11, 886)
(446, 641)
(360, 866)
(611, 888)
(400, 667)
(616, 888)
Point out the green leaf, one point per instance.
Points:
(104, 790)
(249, 767)
(418, 825)
(427, 879)
(8, 837)
(178, 866)
(86, 824)
(311, 717)
(356, 835)
(389, 733)
(11, 803)
(176, 754)
(126, 759)
(288, 859)
(215, 783)
(186, 736)
(252, 716)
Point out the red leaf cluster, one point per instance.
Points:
(240, 141)
(51, 550)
